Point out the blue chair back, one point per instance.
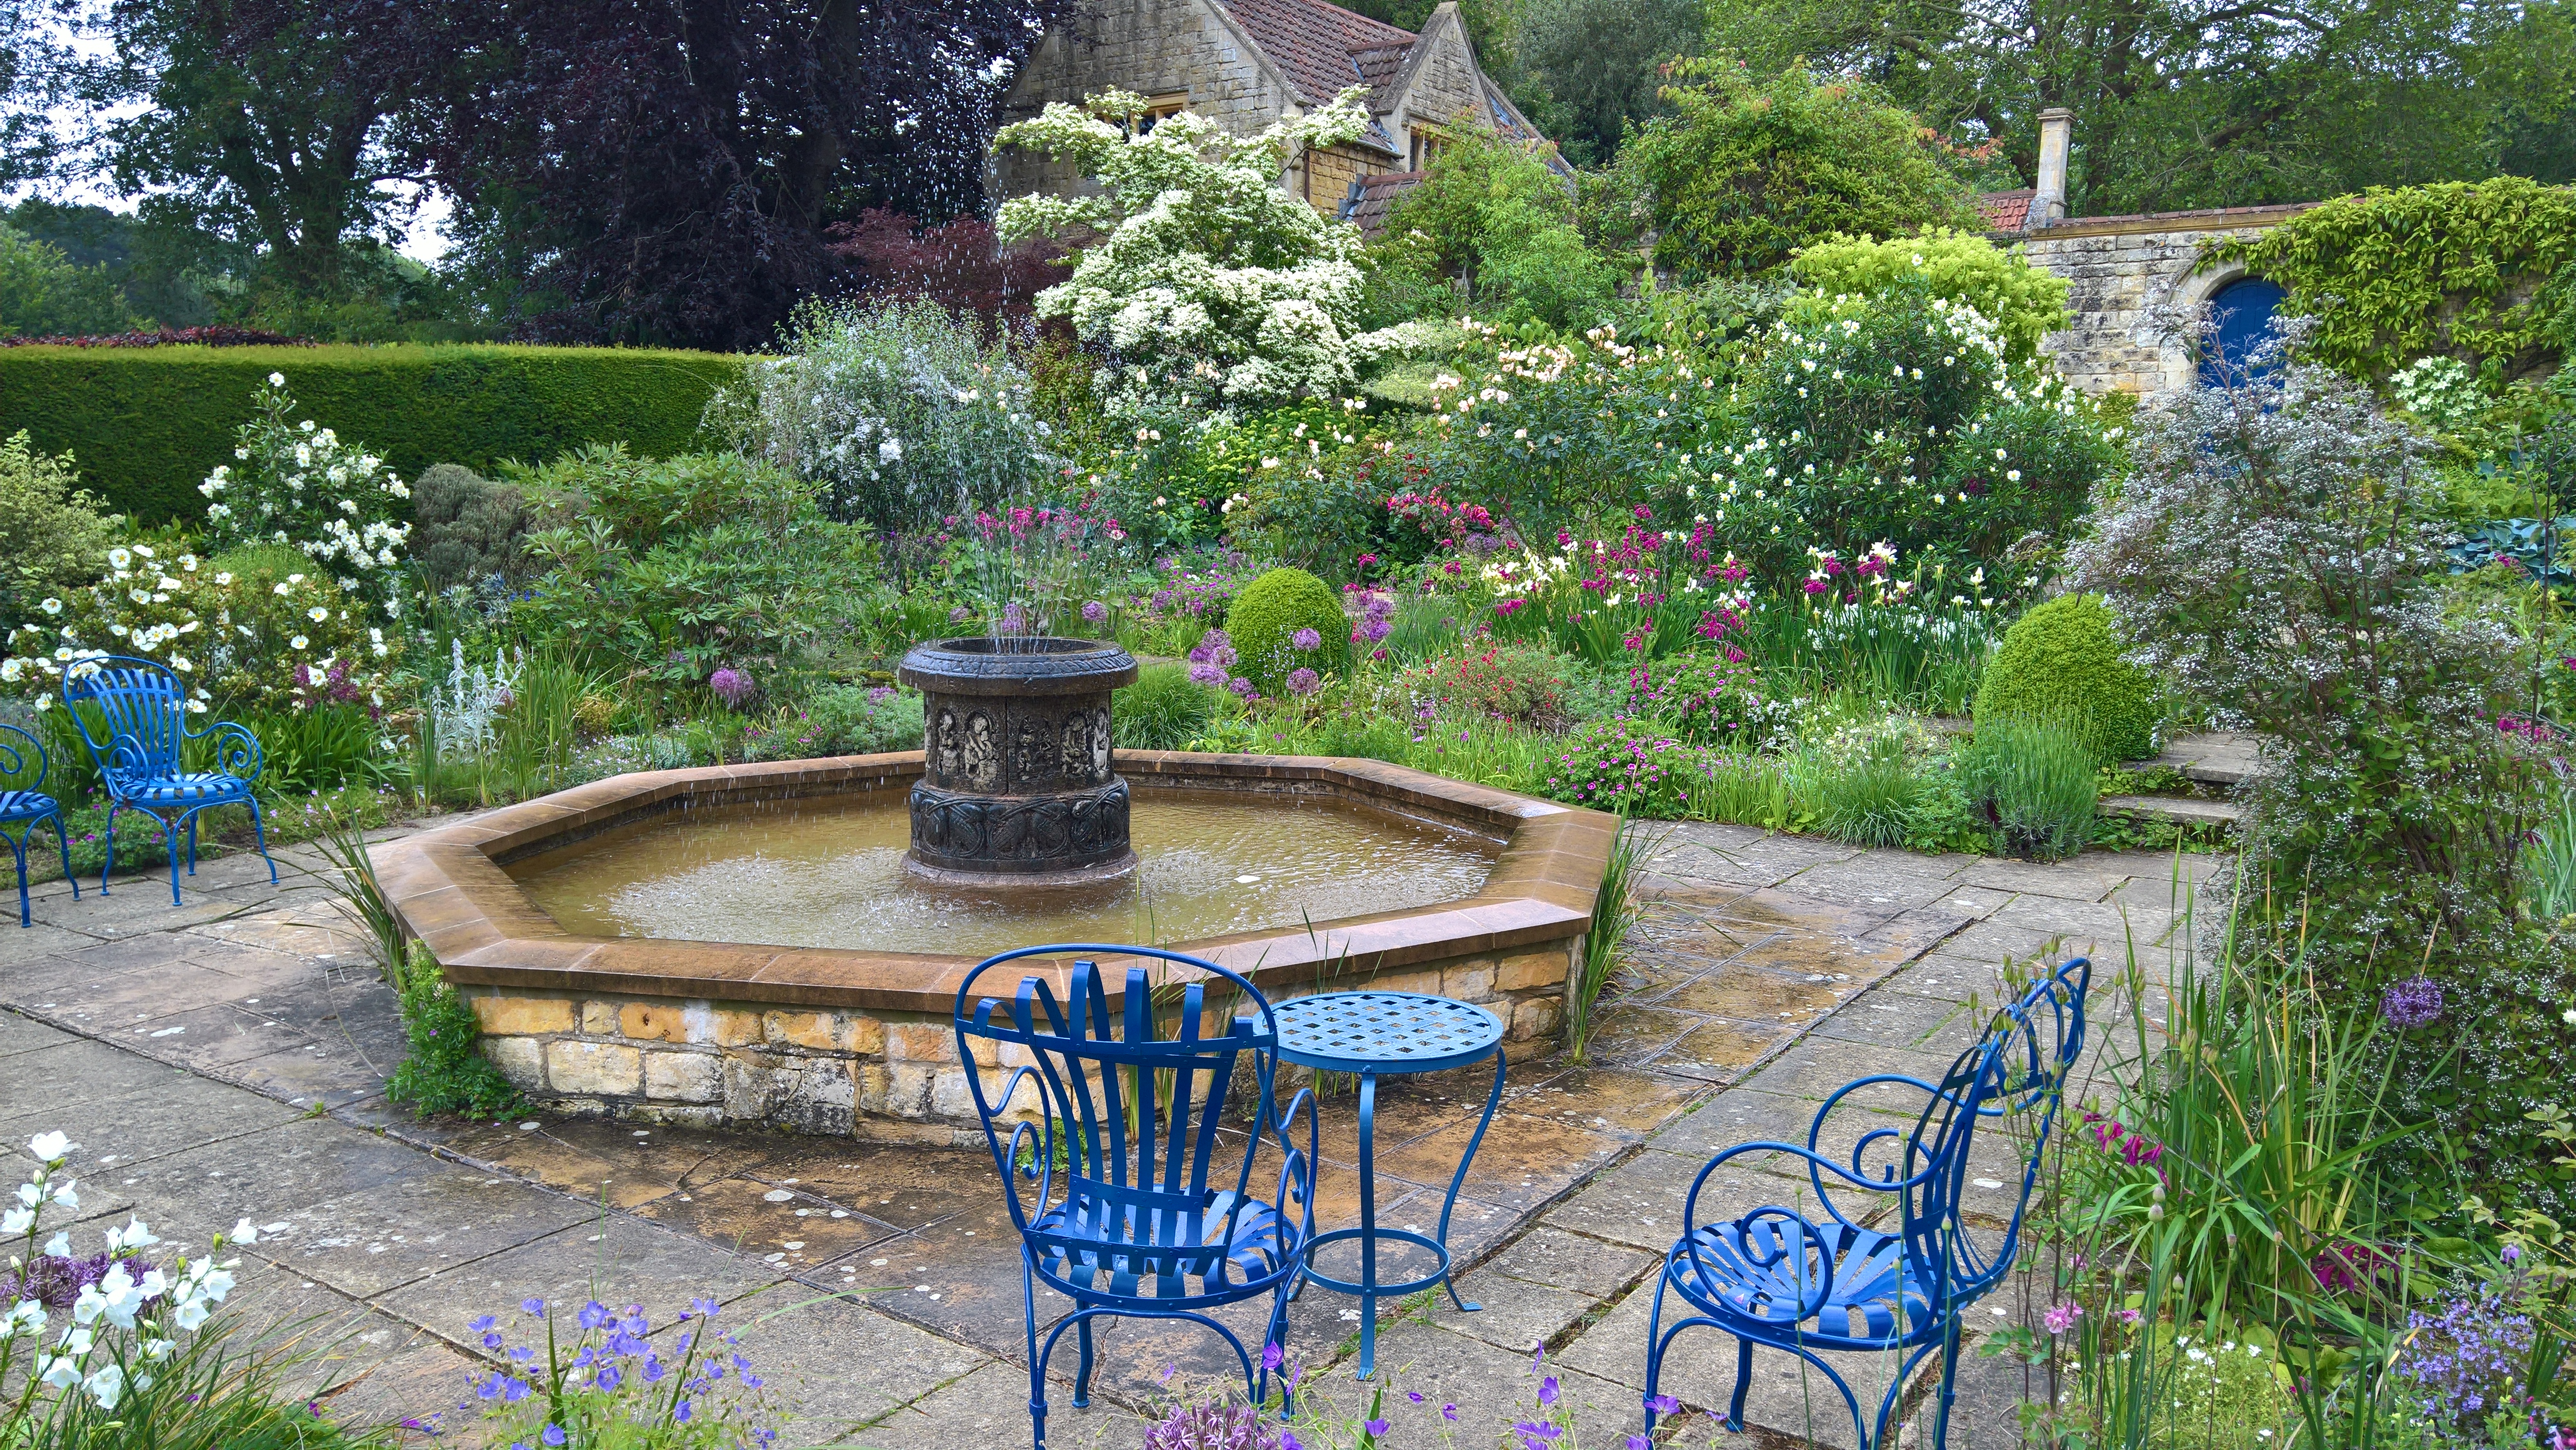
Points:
(141, 709)
(2015, 1072)
(1129, 1117)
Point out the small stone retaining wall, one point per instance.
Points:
(858, 1043)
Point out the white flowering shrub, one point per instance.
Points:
(1209, 280)
(92, 1345)
(1899, 417)
(267, 640)
(898, 408)
(301, 486)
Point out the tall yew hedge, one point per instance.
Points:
(147, 424)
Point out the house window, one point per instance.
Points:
(1171, 103)
(1427, 142)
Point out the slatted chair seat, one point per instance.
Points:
(1813, 1278)
(23, 805)
(1142, 1209)
(193, 788)
(133, 717)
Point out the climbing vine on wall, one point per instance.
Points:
(2480, 271)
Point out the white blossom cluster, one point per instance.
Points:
(1208, 278)
(123, 1327)
(301, 486)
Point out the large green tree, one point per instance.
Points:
(1750, 167)
(1599, 63)
(2184, 103)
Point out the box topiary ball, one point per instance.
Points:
(1264, 624)
(2061, 662)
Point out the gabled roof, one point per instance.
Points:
(1320, 46)
(1371, 196)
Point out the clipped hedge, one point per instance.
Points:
(148, 424)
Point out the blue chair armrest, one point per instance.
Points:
(237, 751)
(13, 760)
(1297, 1165)
(1007, 1155)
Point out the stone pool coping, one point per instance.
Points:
(452, 891)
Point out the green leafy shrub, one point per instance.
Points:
(2060, 663)
(52, 534)
(302, 486)
(1267, 618)
(1164, 710)
(1495, 221)
(466, 528)
(1632, 767)
(1751, 168)
(1521, 683)
(149, 422)
(2024, 303)
(314, 749)
(446, 1072)
(841, 720)
(900, 410)
(2033, 781)
(2472, 269)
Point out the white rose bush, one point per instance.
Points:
(113, 1341)
(1210, 281)
(304, 487)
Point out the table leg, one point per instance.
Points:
(1368, 1224)
(1493, 1100)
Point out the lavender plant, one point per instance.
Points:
(604, 1381)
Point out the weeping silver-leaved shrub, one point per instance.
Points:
(903, 411)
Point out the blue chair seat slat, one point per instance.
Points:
(1778, 1278)
(1142, 1208)
(25, 805)
(187, 788)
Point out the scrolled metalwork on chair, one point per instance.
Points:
(1141, 1209)
(132, 715)
(1777, 1278)
(24, 804)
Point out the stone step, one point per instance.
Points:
(2213, 757)
(2173, 810)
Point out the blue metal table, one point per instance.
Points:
(1376, 1033)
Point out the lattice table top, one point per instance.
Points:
(1384, 1032)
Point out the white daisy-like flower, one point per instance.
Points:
(299, 642)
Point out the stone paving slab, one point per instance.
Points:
(881, 1285)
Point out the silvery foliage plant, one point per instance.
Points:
(462, 716)
(901, 411)
(102, 1329)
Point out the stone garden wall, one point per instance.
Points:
(2127, 276)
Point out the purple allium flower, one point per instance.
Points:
(1305, 639)
(731, 686)
(2414, 1002)
(957, 615)
(1015, 620)
(1094, 612)
(1302, 681)
(1215, 1427)
(56, 1280)
(1242, 688)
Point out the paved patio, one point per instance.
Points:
(227, 1058)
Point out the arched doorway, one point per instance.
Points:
(2240, 316)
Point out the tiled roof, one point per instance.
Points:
(1372, 195)
(2006, 211)
(1321, 46)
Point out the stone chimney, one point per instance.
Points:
(2048, 197)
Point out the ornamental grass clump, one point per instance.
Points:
(1164, 710)
(1860, 783)
(2033, 782)
(606, 1380)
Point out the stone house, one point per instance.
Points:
(2128, 276)
(1248, 63)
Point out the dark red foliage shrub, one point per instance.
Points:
(958, 264)
(169, 337)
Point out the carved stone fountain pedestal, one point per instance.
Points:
(1017, 786)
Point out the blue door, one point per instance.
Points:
(2241, 314)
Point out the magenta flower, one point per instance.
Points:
(2061, 1317)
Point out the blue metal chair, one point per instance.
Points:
(23, 804)
(141, 706)
(1775, 1277)
(1151, 1216)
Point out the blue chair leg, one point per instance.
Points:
(192, 845)
(18, 850)
(1743, 1382)
(63, 849)
(1037, 1358)
(109, 869)
(259, 838)
(170, 843)
(1654, 1348)
(1082, 1367)
(1949, 1386)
